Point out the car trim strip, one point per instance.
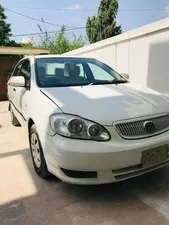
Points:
(137, 172)
(17, 110)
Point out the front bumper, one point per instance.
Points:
(114, 160)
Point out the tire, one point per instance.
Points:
(38, 159)
(14, 120)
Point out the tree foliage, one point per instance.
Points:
(104, 24)
(60, 42)
(5, 31)
(5, 28)
(28, 44)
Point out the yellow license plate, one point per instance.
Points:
(154, 156)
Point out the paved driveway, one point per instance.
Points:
(26, 199)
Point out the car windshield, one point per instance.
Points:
(62, 72)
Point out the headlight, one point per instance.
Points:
(76, 127)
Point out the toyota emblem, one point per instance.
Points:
(149, 126)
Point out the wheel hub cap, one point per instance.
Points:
(35, 150)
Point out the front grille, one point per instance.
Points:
(136, 129)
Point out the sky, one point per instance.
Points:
(132, 14)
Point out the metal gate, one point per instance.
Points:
(7, 64)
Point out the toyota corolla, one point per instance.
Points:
(86, 123)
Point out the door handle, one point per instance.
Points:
(14, 89)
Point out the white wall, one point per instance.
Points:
(142, 53)
(122, 57)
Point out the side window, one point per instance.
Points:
(17, 70)
(99, 73)
(25, 71)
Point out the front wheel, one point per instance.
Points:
(37, 154)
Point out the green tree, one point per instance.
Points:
(60, 42)
(13, 43)
(5, 28)
(92, 29)
(104, 24)
(5, 31)
(29, 44)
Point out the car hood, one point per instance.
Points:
(106, 104)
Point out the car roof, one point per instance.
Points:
(55, 56)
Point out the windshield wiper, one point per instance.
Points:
(89, 84)
(119, 82)
(107, 82)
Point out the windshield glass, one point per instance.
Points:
(61, 72)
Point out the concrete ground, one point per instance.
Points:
(26, 199)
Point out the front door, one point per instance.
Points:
(17, 93)
(12, 90)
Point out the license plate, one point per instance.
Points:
(154, 156)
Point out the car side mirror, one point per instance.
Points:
(126, 75)
(17, 81)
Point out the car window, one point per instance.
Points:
(99, 73)
(61, 72)
(50, 72)
(56, 69)
(51, 69)
(25, 71)
(17, 70)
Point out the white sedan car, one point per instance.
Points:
(86, 123)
